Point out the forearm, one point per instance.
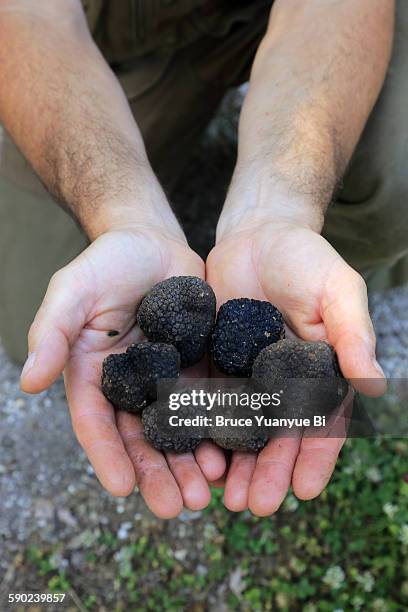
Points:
(67, 113)
(315, 79)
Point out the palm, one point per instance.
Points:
(289, 268)
(317, 292)
(88, 313)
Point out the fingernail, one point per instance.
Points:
(28, 364)
(378, 368)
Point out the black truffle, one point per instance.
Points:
(249, 438)
(179, 311)
(167, 438)
(308, 374)
(129, 380)
(234, 423)
(243, 328)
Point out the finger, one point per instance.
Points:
(55, 327)
(350, 330)
(93, 421)
(153, 477)
(318, 453)
(314, 465)
(218, 484)
(190, 479)
(238, 481)
(211, 460)
(337, 422)
(272, 475)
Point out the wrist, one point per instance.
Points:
(256, 198)
(144, 206)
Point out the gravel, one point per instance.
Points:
(390, 316)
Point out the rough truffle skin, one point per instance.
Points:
(243, 328)
(247, 439)
(303, 361)
(129, 380)
(171, 439)
(179, 311)
(245, 444)
(296, 359)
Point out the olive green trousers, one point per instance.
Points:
(174, 88)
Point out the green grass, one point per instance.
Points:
(347, 550)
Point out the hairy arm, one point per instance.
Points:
(67, 113)
(314, 81)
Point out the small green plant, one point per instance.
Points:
(346, 550)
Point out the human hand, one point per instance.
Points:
(321, 298)
(86, 301)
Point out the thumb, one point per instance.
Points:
(349, 329)
(56, 326)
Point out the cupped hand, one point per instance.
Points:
(321, 298)
(89, 312)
